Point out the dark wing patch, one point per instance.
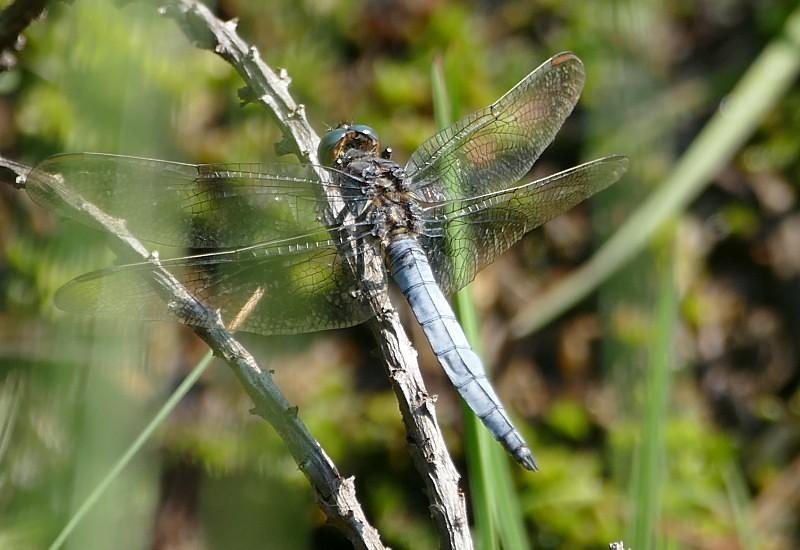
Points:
(267, 289)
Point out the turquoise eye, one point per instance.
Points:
(366, 130)
(328, 144)
(357, 137)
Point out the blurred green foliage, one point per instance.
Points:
(74, 392)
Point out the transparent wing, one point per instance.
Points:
(190, 205)
(279, 288)
(462, 236)
(493, 148)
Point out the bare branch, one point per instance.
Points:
(335, 494)
(269, 88)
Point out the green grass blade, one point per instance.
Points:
(481, 449)
(483, 494)
(92, 498)
(738, 497)
(498, 517)
(649, 474)
(767, 79)
(442, 110)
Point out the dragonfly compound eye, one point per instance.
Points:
(331, 144)
(363, 138)
(365, 131)
(337, 142)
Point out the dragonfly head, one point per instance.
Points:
(337, 142)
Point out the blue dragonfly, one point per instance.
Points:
(257, 230)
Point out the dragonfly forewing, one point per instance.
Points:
(190, 205)
(491, 149)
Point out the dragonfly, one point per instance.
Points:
(263, 230)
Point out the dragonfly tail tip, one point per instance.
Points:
(525, 458)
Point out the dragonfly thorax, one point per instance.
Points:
(390, 208)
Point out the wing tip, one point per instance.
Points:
(622, 163)
(621, 160)
(565, 57)
(619, 165)
(67, 300)
(72, 296)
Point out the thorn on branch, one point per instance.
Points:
(285, 146)
(7, 60)
(246, 95)
(261, 412)
(298, 113)
(232, 24)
